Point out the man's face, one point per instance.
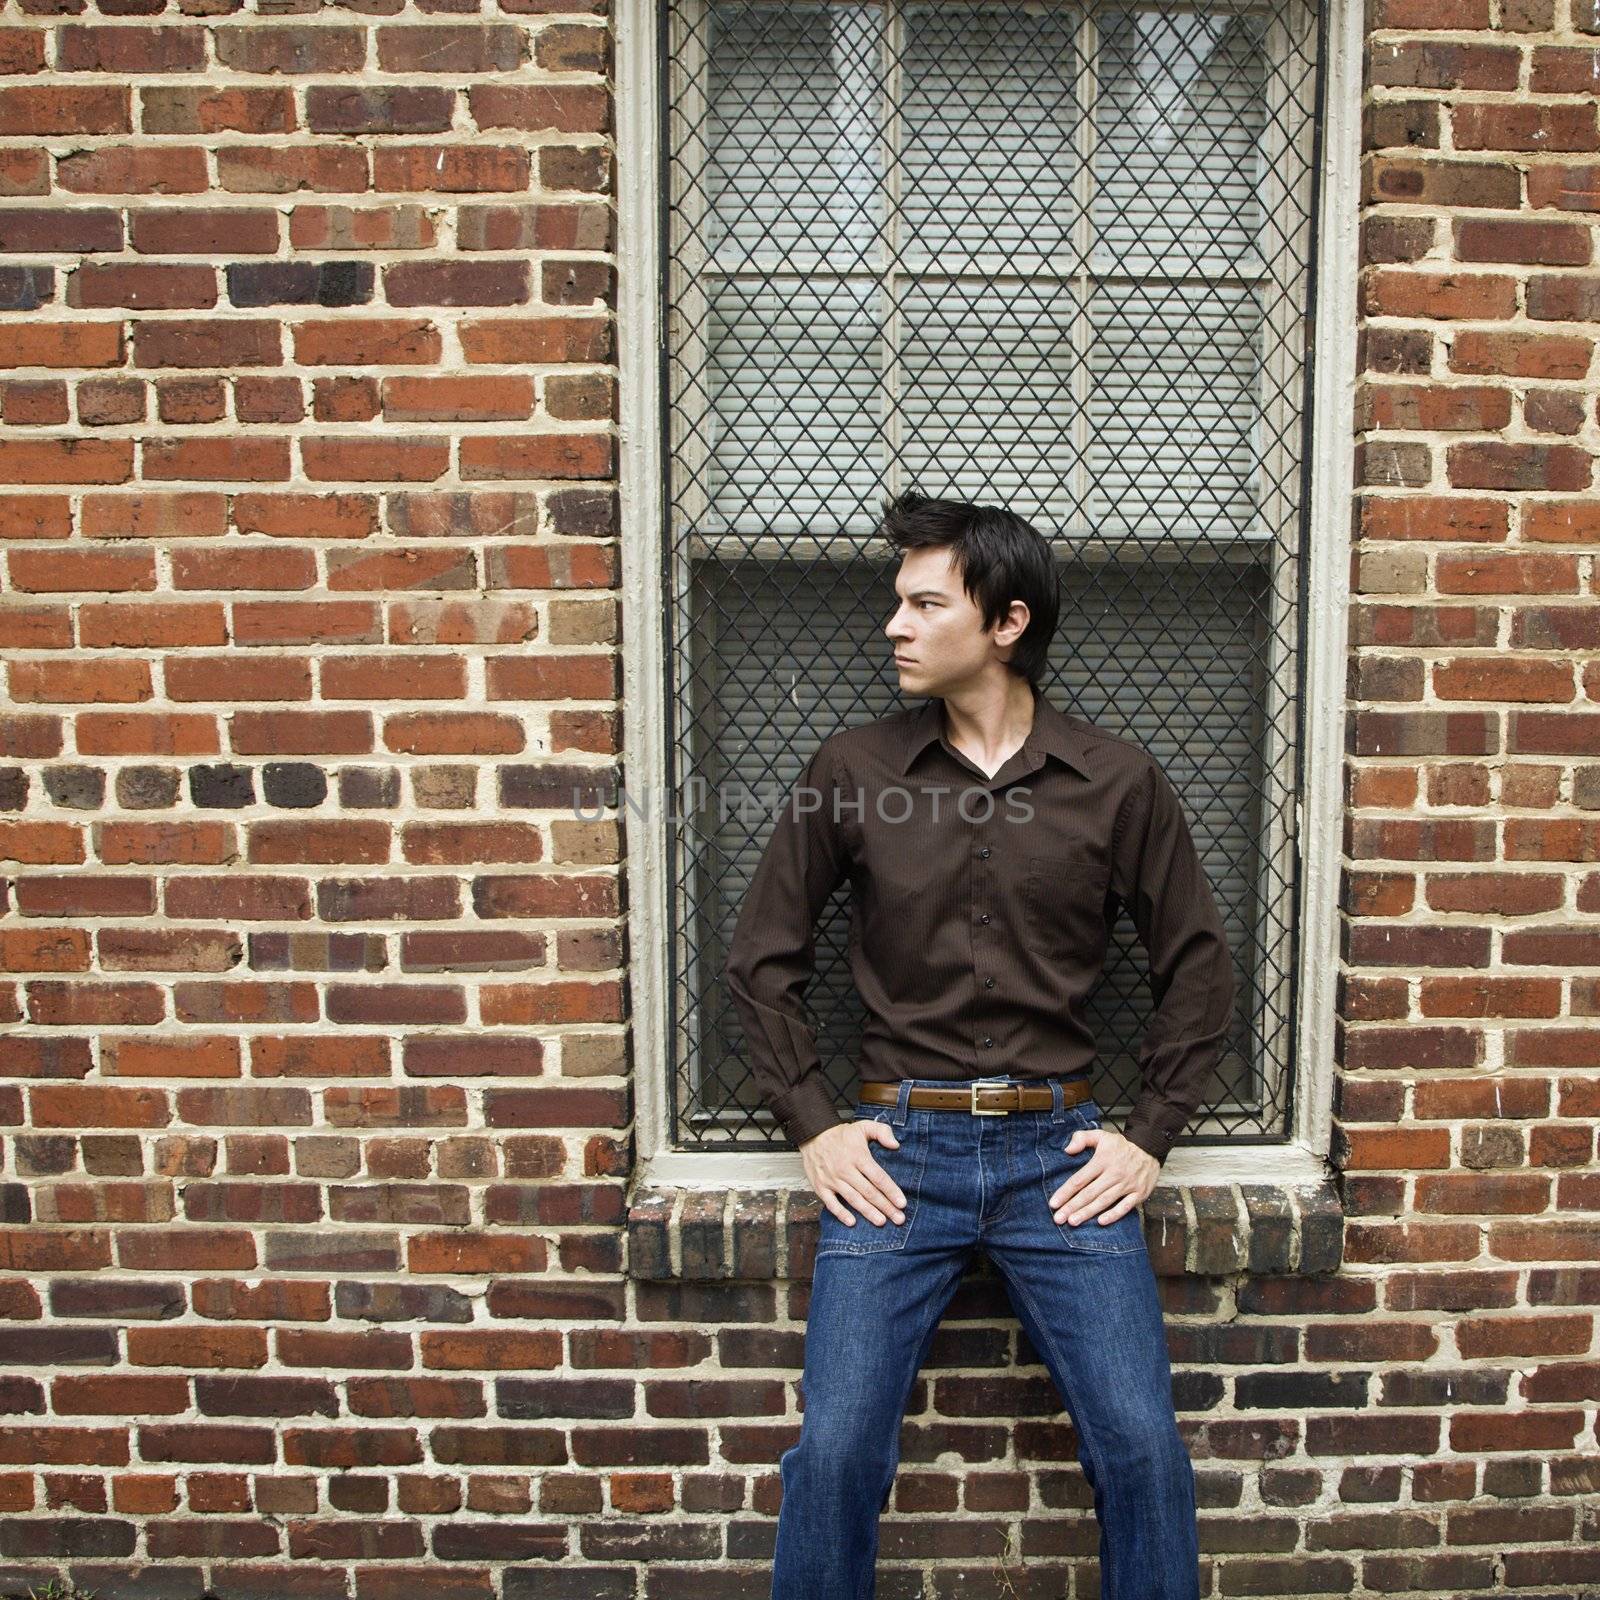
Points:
(937, 629)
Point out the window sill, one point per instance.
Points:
(1195, 1229)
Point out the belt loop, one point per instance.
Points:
(1057, 1110)
(902, 1107)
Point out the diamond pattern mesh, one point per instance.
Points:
(1051, 256)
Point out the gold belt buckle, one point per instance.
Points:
(1003, 1111)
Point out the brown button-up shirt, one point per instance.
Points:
(980, 911)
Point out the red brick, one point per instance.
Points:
(119, 1394)
(493, 1349)
(1400, 292)
(64, 1446)
(1545, 1430)
(1492, 573)
(197, 1347)
(1530, 126)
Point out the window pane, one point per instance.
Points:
(795, 651)
(1177, 159)
(795, 100)
(987, 394)
(1174, 654)
(796, 425)
(1174, 409)
(1170, 654)
(987, 158)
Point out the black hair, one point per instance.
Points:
(1000, 557)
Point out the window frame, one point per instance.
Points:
(1301, 1158)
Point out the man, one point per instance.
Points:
(989, 840)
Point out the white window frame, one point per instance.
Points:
(1300, 1159)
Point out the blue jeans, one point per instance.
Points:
(1085, 1295)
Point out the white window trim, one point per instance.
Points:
(1302, 1158)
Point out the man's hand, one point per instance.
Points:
(1118, 1176)
(840, 1167)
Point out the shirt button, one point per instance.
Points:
(984, 917)
(984, 853)
(988, 983)
(987, 1041)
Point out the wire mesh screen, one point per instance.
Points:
(1050, 256)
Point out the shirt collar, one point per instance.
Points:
(1051, 734)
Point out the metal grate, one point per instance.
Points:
(1052, 256)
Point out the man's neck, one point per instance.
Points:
(991, 731)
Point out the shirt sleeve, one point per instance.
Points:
(1164, 885)
(772, 956)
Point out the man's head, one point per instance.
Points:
(977, 587)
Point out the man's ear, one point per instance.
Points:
(1018, 616)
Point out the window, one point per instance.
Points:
(1056, 256)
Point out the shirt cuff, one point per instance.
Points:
(1151, 1136)
(807, 1109)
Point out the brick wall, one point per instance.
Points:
(315, 1272)
(1469, 1038)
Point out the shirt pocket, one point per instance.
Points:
(1063, 903)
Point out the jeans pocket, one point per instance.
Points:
(904, 1164)
(1056, 1166)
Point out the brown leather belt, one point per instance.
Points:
(982, 1097)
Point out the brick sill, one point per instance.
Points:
(1211, 1230)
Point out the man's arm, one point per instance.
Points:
(772, 956)
(1164, 885)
